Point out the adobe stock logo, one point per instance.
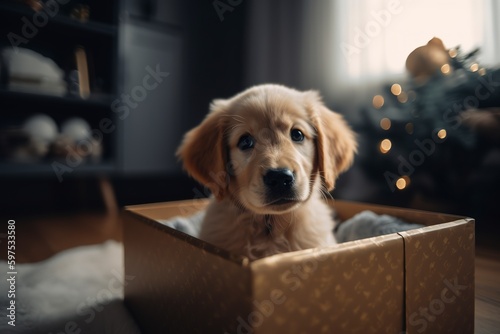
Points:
(425, 148)
(122, 107)
(30, 28)
(225, 6)
(293, 279)
(362, 37)
(437, 306)
(453, 119)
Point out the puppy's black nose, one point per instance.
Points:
(279, 180)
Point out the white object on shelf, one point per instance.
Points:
(41, 127)
(30, 71)
(42, 130)
(76, 128)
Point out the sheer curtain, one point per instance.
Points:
(344, 48)
(380, 34)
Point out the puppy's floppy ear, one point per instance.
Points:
(203, 150)
(336, 142)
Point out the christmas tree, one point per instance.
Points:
(428, 135)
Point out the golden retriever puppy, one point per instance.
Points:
(268, 155)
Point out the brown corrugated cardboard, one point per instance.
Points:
(419, 281)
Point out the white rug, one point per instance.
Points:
(76, 291)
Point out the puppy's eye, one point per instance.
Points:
(246, 142)
(297, 135)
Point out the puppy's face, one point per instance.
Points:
(272, 159)
(265, 147)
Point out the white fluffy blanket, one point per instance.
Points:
(76, 291)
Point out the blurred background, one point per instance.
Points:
(96, 95)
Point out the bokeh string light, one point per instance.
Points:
(378, 101)
(385, 146)
(396, 89)
(402, 97)
(403, 182)
(385, 123)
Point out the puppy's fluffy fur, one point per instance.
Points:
(268, 155)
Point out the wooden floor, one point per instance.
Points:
(41, 237)
(487, 289)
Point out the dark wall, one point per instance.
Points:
(215, 52)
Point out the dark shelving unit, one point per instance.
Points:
(57, 39)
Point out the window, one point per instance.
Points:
(377, 36)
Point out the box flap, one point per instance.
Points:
(200, 291)
(166, 210)
(439, 278)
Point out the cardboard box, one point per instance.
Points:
(419, 281)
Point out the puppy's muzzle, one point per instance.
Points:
(279, 186)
